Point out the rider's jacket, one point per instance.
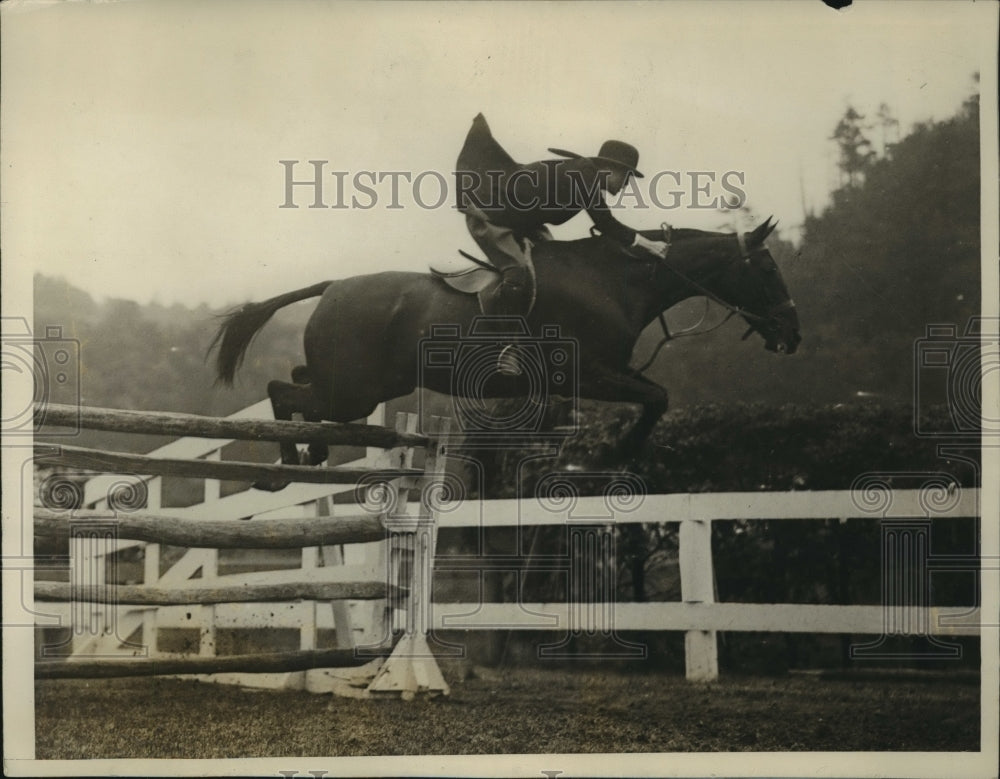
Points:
(526, 197)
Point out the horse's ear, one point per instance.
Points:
(760, 233)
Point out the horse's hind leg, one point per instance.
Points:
(318, 451)
(286, 400)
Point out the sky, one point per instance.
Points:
(142, 141)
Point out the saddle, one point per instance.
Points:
(482, 275)
(487, 282)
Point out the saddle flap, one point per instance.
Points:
(471, 281)
(510, 291)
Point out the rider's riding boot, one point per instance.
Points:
(513, 296)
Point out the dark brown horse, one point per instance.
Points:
(364, 342)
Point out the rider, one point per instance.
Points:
(507, 207)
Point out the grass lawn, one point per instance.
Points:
(517, 711)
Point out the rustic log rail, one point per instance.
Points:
(265, 662)
(290, 533)
(142, 595)
(121, 462)
(396, 571)
(193, 425)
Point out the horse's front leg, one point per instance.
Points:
(623, 387)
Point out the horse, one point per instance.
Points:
(363, 341)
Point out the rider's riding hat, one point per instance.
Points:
(617, 152)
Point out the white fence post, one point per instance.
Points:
(331, 556)
(412, 667)
(701, 652)
(151, 567)
(207, 639)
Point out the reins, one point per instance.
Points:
(754, 319)
(691, 331)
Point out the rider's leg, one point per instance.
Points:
(515, 295)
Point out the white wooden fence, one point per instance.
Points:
(697, 614)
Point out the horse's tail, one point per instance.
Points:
(242, 324)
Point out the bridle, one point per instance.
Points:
(756, 321)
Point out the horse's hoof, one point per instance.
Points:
(316, 456)
(270, 486)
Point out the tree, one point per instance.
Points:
(856, 152)
(897, 250)
(889, 125)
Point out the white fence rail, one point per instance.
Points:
(698, 615)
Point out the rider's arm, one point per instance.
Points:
(607, 224)
(653, 247)
(577, 185)
(597, 207)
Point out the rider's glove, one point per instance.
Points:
(658, 248)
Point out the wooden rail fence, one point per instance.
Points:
(397, 534)
(403, 569)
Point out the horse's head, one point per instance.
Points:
(736, 271)
(754, 285)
